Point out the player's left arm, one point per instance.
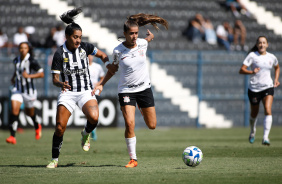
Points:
(150, 36)
(277, 73)
(36, 67)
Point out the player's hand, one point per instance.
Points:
(66, 86)
(256, 70)
(112, 68)
(97, 90)
(25, 75)
(276, 83)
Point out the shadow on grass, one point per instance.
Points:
(67, 165)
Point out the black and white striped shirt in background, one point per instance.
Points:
(31, 66)
(73, 66)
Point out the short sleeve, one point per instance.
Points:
(248, 60)
(35, 66)
(90, 48)
(275, 63)
(57, 63)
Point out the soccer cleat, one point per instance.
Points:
(11, 140)
(265, 142)
(38, 132)
(132, 163)
(52, 164)
(252, 139)
(85, 142)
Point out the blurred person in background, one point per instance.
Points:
(59, 35)
(3, 40)
(96, 75)
(134, 83)
(261, 87)
(240, 34)
(19, 37)
(210, 35)
(236, 5)
(224, 33)
(195, 30)
(49, 42)
(26, 69)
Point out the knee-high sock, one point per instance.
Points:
(34, 121)
(267, 126)
(89, 127)
(131, 147)
(13, 124)
(56, 146)
(253, 123)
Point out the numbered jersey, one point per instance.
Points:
(261, 80)
(134, 75)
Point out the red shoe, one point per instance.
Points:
(38, 132)
(132, 163)
(11, 140)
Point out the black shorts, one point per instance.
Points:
(143, 98)
(256, 97)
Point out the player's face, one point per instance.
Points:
(74, 40)
(131, 36)
(262, 45)
(23, 49)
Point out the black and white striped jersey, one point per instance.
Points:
(31, 66)
(74, 66)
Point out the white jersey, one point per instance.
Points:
(261, 80)
(134, 75)
(96, 72)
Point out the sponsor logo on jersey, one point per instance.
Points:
(82, 54)
(75, 71)
(135, 85)
(141, 52)
(66, 60)
(126, 99)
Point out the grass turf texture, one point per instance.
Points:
(228, 157)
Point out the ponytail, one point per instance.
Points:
(142, 19)
(68, 18)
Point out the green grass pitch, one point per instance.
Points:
(228, 157)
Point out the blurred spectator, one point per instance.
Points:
(235, 6)
(3, 39)
(30, 30)
(59, 36)
(49, 42)
(20, 36)
(96, 72)
(210, 35)
(240, 35)
(195, 30)
(224, 35)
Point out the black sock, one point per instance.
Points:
(34, 121)
(13, 124)
(90, 127)
(56, 146)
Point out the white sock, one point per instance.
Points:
(57, 159)
(131, 147)
(267, 126)
(253, 123)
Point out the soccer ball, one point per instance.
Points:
(192, 156)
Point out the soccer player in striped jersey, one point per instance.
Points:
(134, 83)
(26, 69)
(70, 61)
(261, 87)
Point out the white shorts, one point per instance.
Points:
(70, 99)
(26, 98)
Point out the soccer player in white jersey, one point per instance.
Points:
(134, 83)
(261, 86)
(71, 62)
(26, 70)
